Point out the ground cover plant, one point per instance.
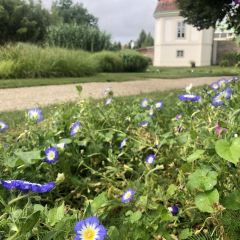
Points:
(160, 168)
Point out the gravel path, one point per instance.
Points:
(24, 98)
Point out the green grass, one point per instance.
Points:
(164, 73)
(16, 118)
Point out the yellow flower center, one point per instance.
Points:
(127, 195)
(51, 155)
(89, 234)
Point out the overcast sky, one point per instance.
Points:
(123, 19)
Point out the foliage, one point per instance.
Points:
(144, 40)
(30, 61)
(78, 36)
(204, 14)
(70, 13)
(230, 59)
(192, 170)
(22, 21)
(108, 61)
(134, 61)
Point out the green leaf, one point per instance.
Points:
(29, 157)
(185, 234)
(66, 141)
(98, 202)
(55, 215)
(113, 233)
(232, 201)
(30, 222)
(202, 179)
(136, 216)
(196, 155)
(171, 190)
(229, 151)
(205, 201)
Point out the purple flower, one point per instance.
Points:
(150, 159)
(219, 130)
(215, 86)
(35, 115)
(123, 143)
(158, 105)
(26, 186)
(219, 99)
(51, 155)
(178, 116)
(189, 97)
(173, 210)
(144, 102)
(144, 123)
(3, 126)
(90, 229)
(128, 195)
(75, 128)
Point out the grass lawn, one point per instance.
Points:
(164, 73)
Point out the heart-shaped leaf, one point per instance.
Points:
(205, 201)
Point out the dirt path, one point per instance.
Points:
(24, 98)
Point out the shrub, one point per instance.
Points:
(31, 61)
(230, 59)
(108, 61)
(134, 61)
(6, 68)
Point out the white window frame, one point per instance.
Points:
(181, 30)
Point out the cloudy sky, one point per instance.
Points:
(123, 19)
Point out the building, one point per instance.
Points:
(178, 43)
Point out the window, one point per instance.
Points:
(180, 53)
(181, 30)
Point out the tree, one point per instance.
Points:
(22, 21)
(67, 12)
(204, 13)
(145, 40)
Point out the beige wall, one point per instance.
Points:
(197, 45)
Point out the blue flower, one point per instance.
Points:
(3, 126)
(222, 82)
(215, 86)
(123, 143)
(128, 195)
(144, 102)
(75, 128)
(151, 112)
(108, 101)
(150, 158)
(159, 105)
(173, 210)
(26, 186)
(90, 229)
(189, 97)
(219, 99)
(51, 155)
(35, 115)
(144, 123)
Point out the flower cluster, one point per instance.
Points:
(26, 186)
